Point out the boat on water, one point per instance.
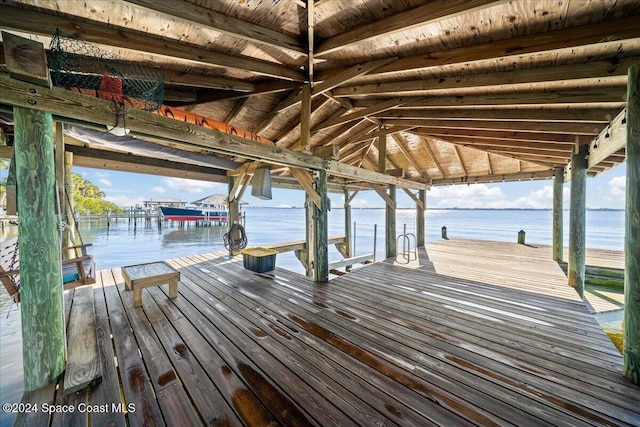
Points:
(211, 208)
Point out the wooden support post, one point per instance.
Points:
(305, 118)
(40, 269)
(346, 246)
(577, 217)
(68, 234)
(307, 256)
(631, 366)
(558, 181)
(321, 231)
(234, 209)
(420, 211)
(390, 221)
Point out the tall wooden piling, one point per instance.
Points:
(577, 219)
(68, 234)
(40, 268)
(321, 231)
(420, 210)
(390, 224)
(558, 181)
(233, 206)
(632, 232)
(346, 246)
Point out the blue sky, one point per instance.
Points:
(603, 191)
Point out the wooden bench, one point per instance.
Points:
(140, 276)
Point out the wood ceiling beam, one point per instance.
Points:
(609, 141)
(524, 176)
(172, 77)
(126, 162)
(263, 88)
(75, 106)
(206, 18)
(36, 22)
(562, 155)
(238, 106)
(427, 149)
(368, 111)
(399, 143)
(558, 74)
(316, 104)
(335, 81)
(580, 95)
(507, 136)
(537, 127)
(403, 21)
(570, 114)
(457, 152)
(606, 31)
(389, 131)
(545, 146)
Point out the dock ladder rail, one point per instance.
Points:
(406, 246)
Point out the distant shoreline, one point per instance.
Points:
(444, 209)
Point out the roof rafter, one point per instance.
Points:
(608, 30)
(207, 18)
(616, 67)
(421, 15)
(36, 22)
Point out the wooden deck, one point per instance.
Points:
(383, 345)
(527, 267)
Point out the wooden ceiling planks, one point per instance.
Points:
(466, 87)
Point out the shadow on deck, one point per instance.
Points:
(383, 345)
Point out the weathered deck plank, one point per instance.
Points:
(383, 345)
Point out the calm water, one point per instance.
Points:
(126, 243)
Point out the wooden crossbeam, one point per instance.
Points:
(548, 114)
(577, 128)
(382, 193)
(607, 30)
(208, 18)
(414, 198)
(457, 152)
(306, 181)
(335, 81)
(422, 15)
(31, 21)
(368, 111)
(71, 105)
(558, 73)
(580, 95)
(429, 152)
(609, 141)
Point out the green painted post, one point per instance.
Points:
(422, 196)
(577, 218)
(40, 269)
(321, 230)
(558, 181)
(631, 367)
(390, 229)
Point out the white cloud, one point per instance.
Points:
(191, 186)
(617, 186)
(158, 189)
(125, 201)
(539, 199)
(468, 196)
(105, 182)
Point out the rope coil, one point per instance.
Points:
(235, 243)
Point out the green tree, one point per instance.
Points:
(88, 197)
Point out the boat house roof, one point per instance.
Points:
(412, 93)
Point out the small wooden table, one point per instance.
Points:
(140, 276)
